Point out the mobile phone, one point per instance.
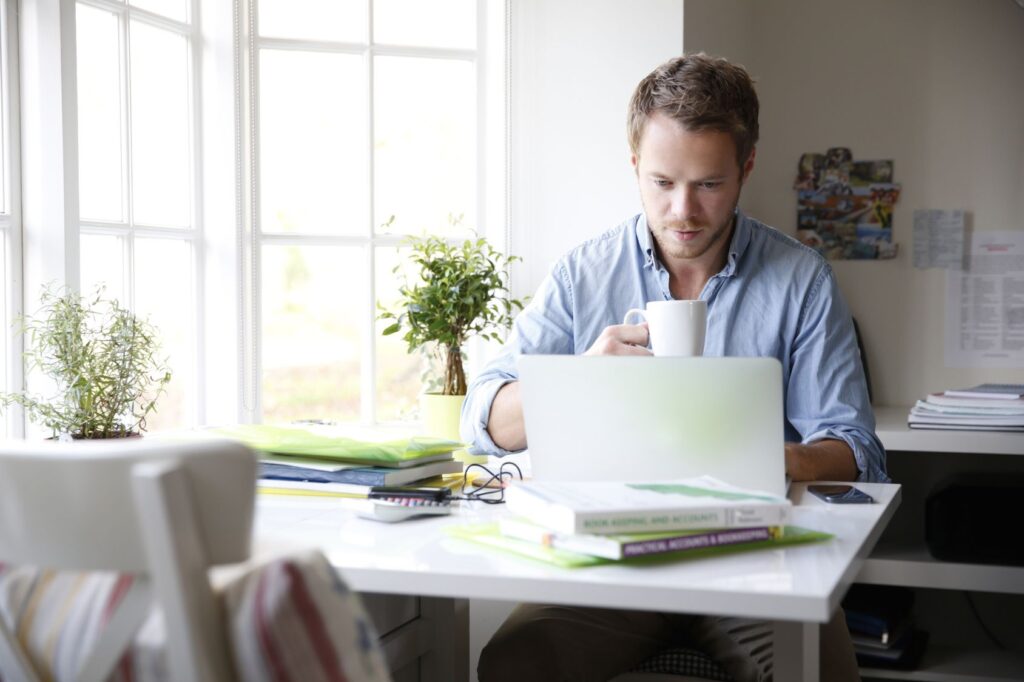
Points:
(840, 494)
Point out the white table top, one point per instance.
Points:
(416, 557)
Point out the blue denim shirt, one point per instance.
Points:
(774, 298)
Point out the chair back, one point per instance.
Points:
(165, 511)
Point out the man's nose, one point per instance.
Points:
(683, 202)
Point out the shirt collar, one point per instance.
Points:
(738, 244)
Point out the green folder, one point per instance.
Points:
(339, 443)
(488, 534)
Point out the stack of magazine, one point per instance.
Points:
(881, 623)
(345, 461)
(986, 407)
(584, 524)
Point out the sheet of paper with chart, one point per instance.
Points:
(985, 303)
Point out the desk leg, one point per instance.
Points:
(447, 657)
(796, 651)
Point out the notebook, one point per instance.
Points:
(599, 418)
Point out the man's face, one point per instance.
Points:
(690, 185)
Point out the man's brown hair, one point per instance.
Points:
(700, 93)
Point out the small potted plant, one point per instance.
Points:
(101, 361)
(457, 292)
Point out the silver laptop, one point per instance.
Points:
(645, 418)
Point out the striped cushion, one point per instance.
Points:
(289, 619)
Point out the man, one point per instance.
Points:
(692, 129)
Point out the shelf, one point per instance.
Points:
(915, 567)
(940, 664)
(891, 427)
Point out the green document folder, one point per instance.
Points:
(343, 444)
(489, 535)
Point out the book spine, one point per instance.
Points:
(365, 477)
(604, 523)
(696, 541)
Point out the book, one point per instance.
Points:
(879, 611)
(605, 508)
(304, 470)
(489, 535)
(623, 546)
(351, 490)
(919, 416)
(966, 427)
(1008, 409)
(360, 445)
(989, 392)
(943, 400)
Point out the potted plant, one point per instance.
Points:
(457, 292)
(101, 361)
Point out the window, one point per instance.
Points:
(362, 110)
(140, 227)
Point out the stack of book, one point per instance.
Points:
(582, 524)
(881, 623)
(345, 461)
(986, 407)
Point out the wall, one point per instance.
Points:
(574, 66)
(934, 85)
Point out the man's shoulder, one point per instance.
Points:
(776, 248)
(618, 241)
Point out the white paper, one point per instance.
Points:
(985, 303)
(939, 239)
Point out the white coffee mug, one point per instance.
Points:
(676, 327)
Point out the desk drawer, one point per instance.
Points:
(390, 612)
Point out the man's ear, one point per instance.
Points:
(634, 161)
(748, 166)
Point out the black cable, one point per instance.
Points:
(977, 616)
(484, 493)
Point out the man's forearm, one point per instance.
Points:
(505, 423)
(823, 460)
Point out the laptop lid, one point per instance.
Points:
(593, 418)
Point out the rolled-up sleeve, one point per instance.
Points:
(827, 395)
(544, 326)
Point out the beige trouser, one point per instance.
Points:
(570, 644)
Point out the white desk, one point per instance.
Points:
(798, 587)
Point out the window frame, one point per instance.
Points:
(491, 205)
(128, 230)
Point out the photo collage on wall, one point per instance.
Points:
(845, 207)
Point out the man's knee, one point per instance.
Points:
(520, 651)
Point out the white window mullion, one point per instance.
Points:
(198, 242)
(128, 246)
(250, 233)
(368, 380)
(12, 232)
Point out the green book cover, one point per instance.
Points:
(343, 444)
(489, 534)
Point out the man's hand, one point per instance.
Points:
(823, 460)
(622, 339)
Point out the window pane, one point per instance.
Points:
(425, 148)
(102, 264)
(313, 310)
(438, 23)
(174, 9)
(164, 293)
(338, 20)
(399, 377)
(100, 176)
(313, 150)
(160, 127)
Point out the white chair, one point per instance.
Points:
(164, 511)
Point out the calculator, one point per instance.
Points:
(391, 509)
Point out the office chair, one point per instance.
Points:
(154, 516)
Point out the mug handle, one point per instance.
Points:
(631, 312)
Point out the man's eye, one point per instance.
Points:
(661, 183)
(710, 185)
